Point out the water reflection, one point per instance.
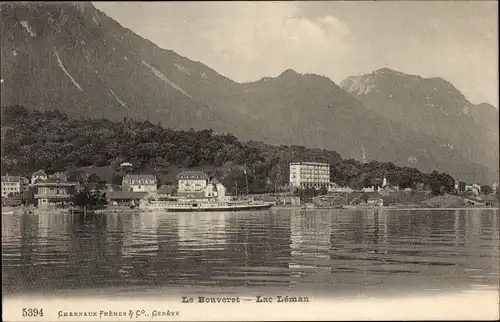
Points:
(139, 235)
(257, 250)
(51, 232)
(310, 248)
(11, 236)
(11, 231)
(139, 247)
(201, 244)
(310, 240)
(331, 251)
(205, 228)
(167, 266)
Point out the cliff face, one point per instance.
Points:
(73, 58)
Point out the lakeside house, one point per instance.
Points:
(11, 185)
(474, 188)
(134, 188)
(215, 190)
(140, 182)
(38, 175)
(54, 192)
(192, 184)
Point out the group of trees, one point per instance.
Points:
(89, 198)
(52, 141)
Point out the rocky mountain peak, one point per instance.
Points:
(359, 85)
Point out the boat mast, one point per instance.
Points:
(364, 154)
(246, 179)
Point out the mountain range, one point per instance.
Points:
(73, 58)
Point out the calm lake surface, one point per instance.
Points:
(319, 251)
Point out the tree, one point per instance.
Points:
(486, 189)
(447, 182)
(28, 197)
(84, 198)
(435, 188)
(461, 186)
(234, 181)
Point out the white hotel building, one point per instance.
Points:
(309, 174)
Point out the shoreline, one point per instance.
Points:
(420, 208)
(111, 210)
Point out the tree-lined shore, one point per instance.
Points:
(33, 140)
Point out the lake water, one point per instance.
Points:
(312, 251)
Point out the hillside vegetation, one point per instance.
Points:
(33, 140)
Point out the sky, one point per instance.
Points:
(245, 41)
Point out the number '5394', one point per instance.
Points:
(32, 312)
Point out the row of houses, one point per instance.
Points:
(50, 191)
(56, 191)
(55, 188)
(15, 185)
(190, 184)
(317, 175)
